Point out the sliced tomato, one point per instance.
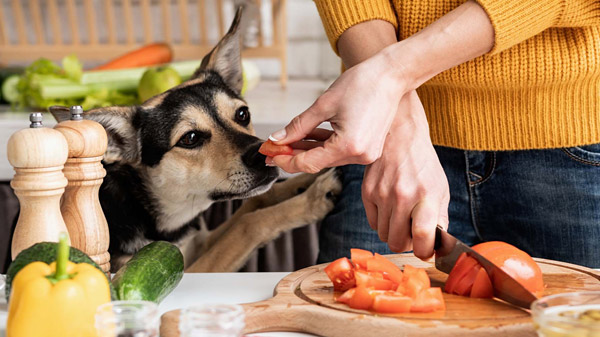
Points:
(341, 273)
(380, 264)
(465, 284)
(418, 274)
(361, 299)
(346, 296)
(413, 286)
(360, 257)
(463, 265)
(429, 300)
(391, 302)
(482, 286)
(271, 149)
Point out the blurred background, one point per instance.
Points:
(288, 62)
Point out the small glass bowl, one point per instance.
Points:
(574, 314)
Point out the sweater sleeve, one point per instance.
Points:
(339, 15)
(515, 21)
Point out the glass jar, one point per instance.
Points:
(575, 314)
(212, 320)
(127, 319)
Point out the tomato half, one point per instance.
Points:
(341, 274)
(482, 286)
(515, 262)
(380, 264)
(391, 302)
(360, 257)
(271, 149)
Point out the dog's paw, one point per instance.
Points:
(322, 194)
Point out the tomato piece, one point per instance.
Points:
(391, 302)
(341, 273)
(465, 284)
(482, 286)
(429, 300)
(413, 286)
(360, 257)
(372, 280)
(380, 264)
(515, 262)
(271, 149)
(346, 296)
(361, 299)
(463, 265)
(418, 274)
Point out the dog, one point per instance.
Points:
(174, 155)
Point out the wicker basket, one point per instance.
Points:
(98, 30)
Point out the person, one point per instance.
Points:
(482, 116)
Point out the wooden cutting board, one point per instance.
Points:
(304, 301)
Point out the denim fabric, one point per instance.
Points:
(545, 202)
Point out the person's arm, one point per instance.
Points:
(361, 118)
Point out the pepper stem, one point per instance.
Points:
(62, 257)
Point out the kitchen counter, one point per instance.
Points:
(227, 288)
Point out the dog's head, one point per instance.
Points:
(196, 139)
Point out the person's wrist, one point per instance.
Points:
(396, 66)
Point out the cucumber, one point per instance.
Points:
(46, 252)
(151, 274)
(6, 73)
(10, 93)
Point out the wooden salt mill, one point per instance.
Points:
(38, 155)
(80, 205)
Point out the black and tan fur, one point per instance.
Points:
(170, 158)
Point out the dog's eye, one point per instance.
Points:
(242, 116)
(191, 139)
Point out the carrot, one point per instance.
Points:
(148, 55)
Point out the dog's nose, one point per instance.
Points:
(252, 158)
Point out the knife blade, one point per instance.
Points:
(448, 249)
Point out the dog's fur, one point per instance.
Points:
(169, 159)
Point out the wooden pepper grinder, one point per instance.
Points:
(38, 155)
(80, 204)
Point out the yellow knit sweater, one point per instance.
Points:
(538, 88)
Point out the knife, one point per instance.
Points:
(448, 249)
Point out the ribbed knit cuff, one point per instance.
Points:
(515, 21)
(339, 15)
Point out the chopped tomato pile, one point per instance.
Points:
(374, 282)
(271, 149)
(469, 278)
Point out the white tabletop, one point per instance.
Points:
(194, 289)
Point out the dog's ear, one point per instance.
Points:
(60, 113)
(226, 58)
(123, 136)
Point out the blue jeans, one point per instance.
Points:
(545, 202)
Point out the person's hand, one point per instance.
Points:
(405, 191)
(360, 105)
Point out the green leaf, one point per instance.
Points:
(72, 67)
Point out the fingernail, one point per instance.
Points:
(269, 161)
(278, 135)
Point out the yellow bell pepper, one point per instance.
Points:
(56, 300)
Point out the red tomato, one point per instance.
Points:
(360, 257)
(380, 264)
(464, 265)
(391, 302)
(465, 284)
(361, 299)
(428, 300)
(271, 149)
(346, 296)
(372, 280)
(515, 263)
(482, 286)
(341, 273)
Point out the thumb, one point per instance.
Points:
(301, 125)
